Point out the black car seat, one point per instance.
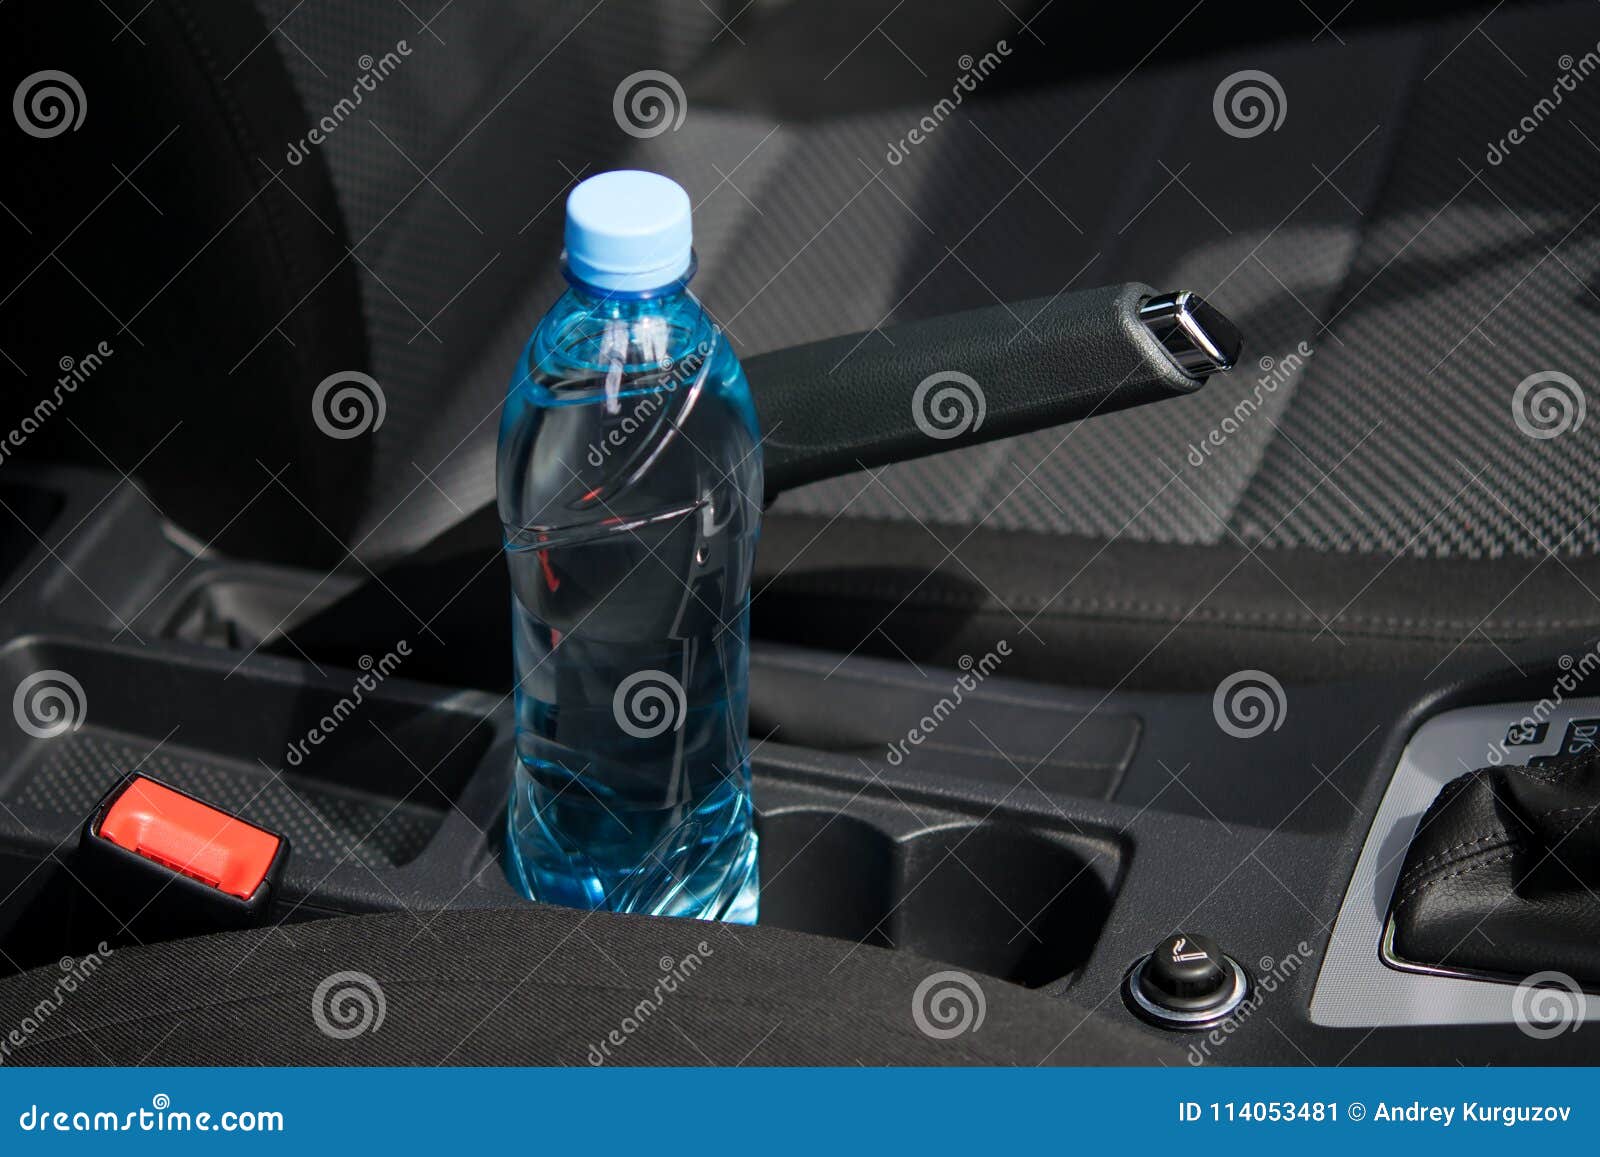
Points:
(546, 986)
(1362, 492)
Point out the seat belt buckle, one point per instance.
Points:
(166, 863)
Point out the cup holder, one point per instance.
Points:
(827, 873)
(1001, 899)
(1004, 900)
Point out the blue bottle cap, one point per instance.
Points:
(628, 231)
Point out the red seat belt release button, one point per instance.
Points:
(190, 837)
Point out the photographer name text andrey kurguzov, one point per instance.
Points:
(1468, 1113)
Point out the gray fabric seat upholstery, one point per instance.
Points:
(1407, 241)
(1372, 498)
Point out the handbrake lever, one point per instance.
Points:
(850, 403)
(828, 408)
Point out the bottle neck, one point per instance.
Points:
(595, 330)
(602, 302)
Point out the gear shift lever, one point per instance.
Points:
(1501, 878)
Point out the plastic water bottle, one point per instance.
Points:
(629, 481)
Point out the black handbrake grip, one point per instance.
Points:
(833, 407)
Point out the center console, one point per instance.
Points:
(1042, 836)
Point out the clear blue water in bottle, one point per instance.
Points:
(629, 480)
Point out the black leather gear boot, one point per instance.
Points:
(1503, 875)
